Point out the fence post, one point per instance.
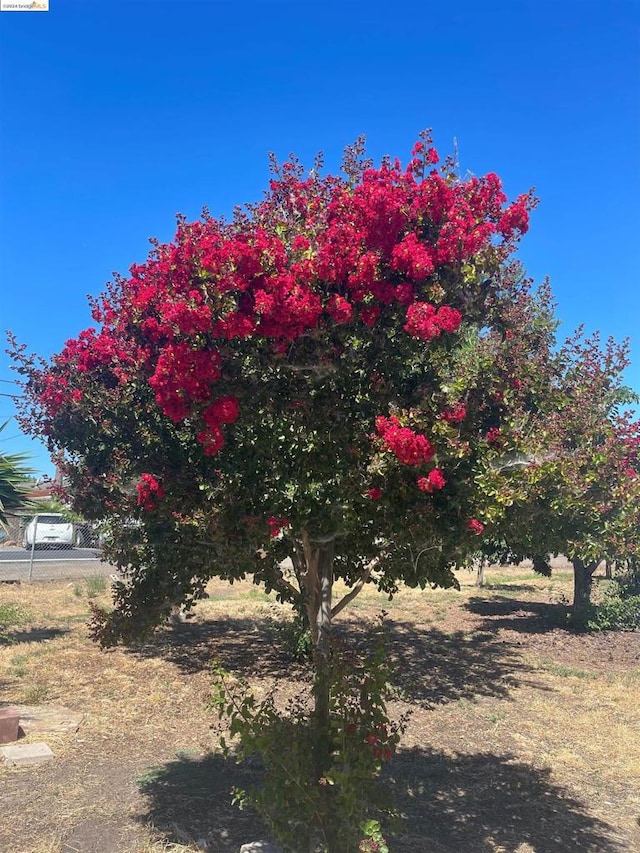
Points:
(33, 546)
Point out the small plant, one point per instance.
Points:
(494, 717)
(620, 607)
(294, 637)
(149, 777)
(93, 587)
(340, 812)
(12, 614)
(373, 841)
(96, 586)
(18, 668)
(35, 694)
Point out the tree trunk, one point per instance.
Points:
(582, 583)
(318, 592)
(481, 564)
(322, 657)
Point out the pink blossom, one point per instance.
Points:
(408, 447)
(456, 414)
(150, 491)
(276, 524)
(494, 437)
(433, 482)
(225, 409)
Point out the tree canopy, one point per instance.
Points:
(317, 372)
(353, 371)
(583, 494)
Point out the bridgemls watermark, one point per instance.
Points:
(25, 6)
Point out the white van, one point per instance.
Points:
(50, 529)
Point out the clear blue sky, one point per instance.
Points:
(116, 115)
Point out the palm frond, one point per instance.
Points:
(14, 481)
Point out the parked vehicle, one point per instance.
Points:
(87, 535)
(48, 529)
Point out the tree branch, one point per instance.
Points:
(319, 369)
(284, 585)
(364, 577)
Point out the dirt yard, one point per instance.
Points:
(524, 737)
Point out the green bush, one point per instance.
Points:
(294, 638)
(343, 810)
(620, 607)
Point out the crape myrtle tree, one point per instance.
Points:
(585, 483)
(315, 380)
(578, 460)
(524, 375)
(305, 381)
(596, 447)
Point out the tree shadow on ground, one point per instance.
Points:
(482, 802)
(244, 646)
(432, 666)
(9, 637)
(525, 617)
(476, 802)
(191, 799)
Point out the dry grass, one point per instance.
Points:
(524, 737)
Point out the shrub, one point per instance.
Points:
(343, 810)
(10, 616)
(294, 637)
(620, 607)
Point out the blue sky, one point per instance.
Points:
(115, 116)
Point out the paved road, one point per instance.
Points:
(13, 554)
(50, 564)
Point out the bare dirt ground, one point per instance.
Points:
(524, 737)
